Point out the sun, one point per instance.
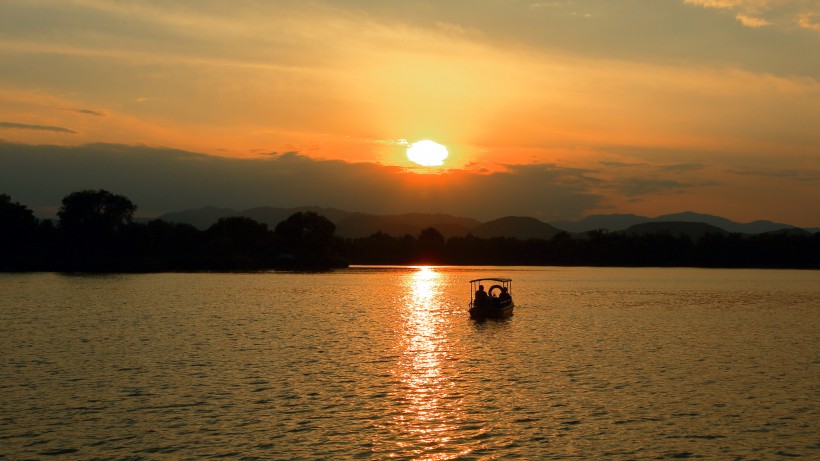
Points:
(427, 153)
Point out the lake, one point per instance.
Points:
(385, 363)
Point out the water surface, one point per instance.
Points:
(384, 363)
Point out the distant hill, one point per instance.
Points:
(356, 225)
(693, 230)
(362, 225)
(201, 218)
(273, 216)
(348, 224)
(519, 227)
(754, 227)
(618, 222)
(610, 222)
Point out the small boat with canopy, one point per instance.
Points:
(496, 302)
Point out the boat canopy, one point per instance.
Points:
(492, 279)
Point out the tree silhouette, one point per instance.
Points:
(91, 222)
(306, 240)
(239, 243)
(431, 245)
(95, 211)
(18, 236)
(164, 246)
(95, 232)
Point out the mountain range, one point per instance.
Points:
(357, 225)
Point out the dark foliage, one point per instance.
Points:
(306, 241)
(596, 248)
(20, 236)
(239, 243)
(95, 233)
(92, 233)
(159, 246)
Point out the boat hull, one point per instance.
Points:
(492, 310)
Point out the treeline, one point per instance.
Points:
(95, 232)
(595, 248)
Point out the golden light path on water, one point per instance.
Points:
(385, 364)
(432, 410)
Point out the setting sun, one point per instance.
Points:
(427, 153)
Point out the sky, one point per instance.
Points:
(550, 109)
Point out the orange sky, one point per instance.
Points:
(709, 106)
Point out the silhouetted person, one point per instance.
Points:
(480, 295)
(504, 296)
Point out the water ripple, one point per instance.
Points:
(385, 364)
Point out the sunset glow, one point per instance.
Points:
(570, 107)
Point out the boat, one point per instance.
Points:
(496, 304)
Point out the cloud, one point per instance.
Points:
(768, 173)
(681, 167)
(620, 164)
(715, 3)
(647, 186)
(95, 113)
(160, 180)
(751, 12)
(752, 22)
(217, 78)
(26, 126)
(810, 20)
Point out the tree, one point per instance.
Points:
(306, 227)
(95, 211)
(306, 240)
(19, 232)
(164, 246)
(430, 246)
(239, 243)
(91, 223)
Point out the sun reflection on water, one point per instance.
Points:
(431, 411)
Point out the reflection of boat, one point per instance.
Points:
(496, 304)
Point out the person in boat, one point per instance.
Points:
(504, 296)
(480, 295)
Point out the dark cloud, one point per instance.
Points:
(610, 164)
(640, 186)
(682, 167)
(95, 113)
(26, 126)
(805, 175)
(160, 180)
(671, 168)
(677, 31)
(767, 174)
